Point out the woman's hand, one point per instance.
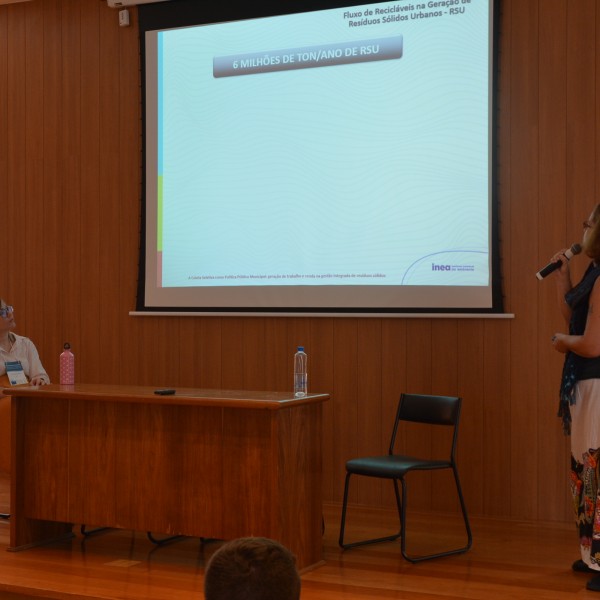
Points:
(38, 381)
(562, 277)
(559, 342)
(564, 261)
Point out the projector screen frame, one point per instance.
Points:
(181, 13)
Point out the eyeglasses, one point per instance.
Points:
(5, 311)
(587, 225)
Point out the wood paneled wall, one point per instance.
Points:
(70, 172)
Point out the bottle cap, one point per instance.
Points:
(67, 346)
(300, 348)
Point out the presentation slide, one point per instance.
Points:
(330, 159)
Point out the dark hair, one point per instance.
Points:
(591, 246)
(252, 568)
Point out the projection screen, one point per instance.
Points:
(336, 159)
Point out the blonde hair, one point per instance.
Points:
(591, 245)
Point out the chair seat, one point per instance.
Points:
(392, 466)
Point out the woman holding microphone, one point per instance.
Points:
(579, 405)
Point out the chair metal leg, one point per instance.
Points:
(86, 533)
(463, 508)
(389, 538)
(163, 541)
(415, 559)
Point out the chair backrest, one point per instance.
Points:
(428, 409)
(435, 410)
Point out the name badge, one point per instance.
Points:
(15, 373)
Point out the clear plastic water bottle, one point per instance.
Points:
(67, 366)
(300, 373)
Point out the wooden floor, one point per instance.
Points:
(508, 560)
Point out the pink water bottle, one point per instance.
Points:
(67, 366)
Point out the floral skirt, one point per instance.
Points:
(585, 462)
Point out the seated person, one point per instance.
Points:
(15, 347)
(252, 568)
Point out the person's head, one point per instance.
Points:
(591, 234)
(252, 568)
(7, 318)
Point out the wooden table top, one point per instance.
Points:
(183, 396)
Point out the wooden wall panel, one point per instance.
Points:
(597, 95)
(4, 115)
(32, 226)
(371, 438)
(70, 190)
(253, 363)
(470, 387)
(498, 425)
(93, 217)
(581, 102)
(276, 357)
(552, 184)
(525, 190)
(232, 352)
(121, 102)
(49, 207)
(393, 375)
(209, 367)
(344, 443)
(321, 358)
(444, 346)
(15, 142)
(419, 370)
(111, 190)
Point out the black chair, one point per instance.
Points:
(416, 408)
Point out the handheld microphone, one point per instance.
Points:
(551, 267)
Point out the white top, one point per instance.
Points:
(23, 350)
